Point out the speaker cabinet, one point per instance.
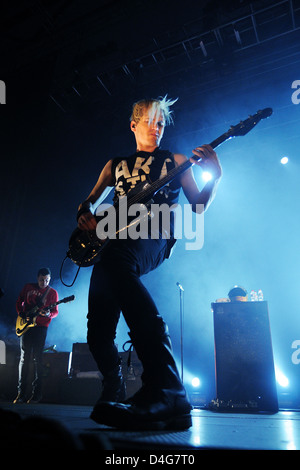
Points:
(55, 370)
(82, 359)
(244, 365)
(84, 385)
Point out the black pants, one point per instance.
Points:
(32, 345)
(116, 286)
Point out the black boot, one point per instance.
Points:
(164, 411)
(161, 403)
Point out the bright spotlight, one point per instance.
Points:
(281, 379)
(195, 382)
(284, 160)
(206, 176)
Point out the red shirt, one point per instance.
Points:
(28, 299)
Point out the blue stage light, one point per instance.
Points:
(281, 379)
(196, 382)
(284, 160)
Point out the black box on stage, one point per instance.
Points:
(244, 365)
(82, 359)
(84, 385)
(55, 370)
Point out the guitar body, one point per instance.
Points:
(85, 247)
(23, 325)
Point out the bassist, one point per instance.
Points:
(116, 286)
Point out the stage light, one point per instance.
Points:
(284, 160)
(206, 176)
(196, 382)
(281, 379)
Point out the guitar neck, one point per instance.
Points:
(65, 300)
(54, 305)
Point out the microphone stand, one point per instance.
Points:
(181, 291)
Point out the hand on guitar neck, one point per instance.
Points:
(207, 159)
(44, 312)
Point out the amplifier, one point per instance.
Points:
(244, 365)
(82, 365)
(81, 360)
(84, 385)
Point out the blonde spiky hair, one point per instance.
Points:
(155, 108)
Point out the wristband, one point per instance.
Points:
(84, 207)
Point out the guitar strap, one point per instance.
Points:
(44, 296)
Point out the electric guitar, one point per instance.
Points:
(27, 320)
(85, 246)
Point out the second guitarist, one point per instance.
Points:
(32, 343)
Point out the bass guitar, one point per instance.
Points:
(27, 320)
(85, 246)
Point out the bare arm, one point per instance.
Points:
(209, 162)
(86, 220)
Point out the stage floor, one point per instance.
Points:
(210, 431)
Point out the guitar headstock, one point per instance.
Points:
(245, 126)
(68, 299)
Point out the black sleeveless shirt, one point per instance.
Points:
(145, 166)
